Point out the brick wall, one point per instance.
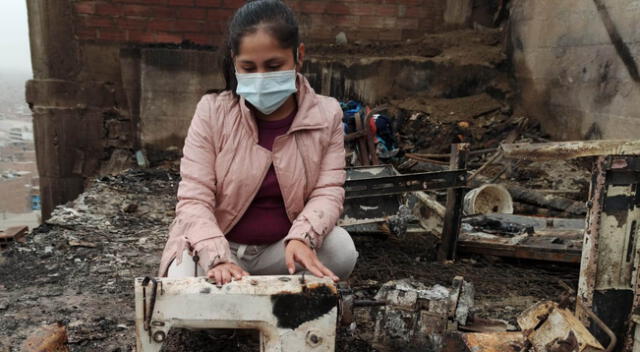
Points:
(204, 21)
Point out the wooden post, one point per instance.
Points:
(453, 214)
(362, 142)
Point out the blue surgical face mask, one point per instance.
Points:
(266, 91)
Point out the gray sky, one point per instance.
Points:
(14, 36)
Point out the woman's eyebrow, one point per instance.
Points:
(275, 60)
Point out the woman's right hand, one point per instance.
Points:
(225, 272)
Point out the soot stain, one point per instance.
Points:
(294, 309)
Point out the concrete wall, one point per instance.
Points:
(576, 62)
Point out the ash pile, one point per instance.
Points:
(78, 268)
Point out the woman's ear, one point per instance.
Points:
(300, 57)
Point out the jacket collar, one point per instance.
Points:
(308, 117)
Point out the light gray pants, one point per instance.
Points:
(338, 253)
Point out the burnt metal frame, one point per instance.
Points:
(453, 180)
(389, 185)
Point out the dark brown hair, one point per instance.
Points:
(271, 15)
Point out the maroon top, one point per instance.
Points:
(266, 220)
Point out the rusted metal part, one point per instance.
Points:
(608, 282)
(290, 315)
(589, 261)
(408, 314)
(570, 150)
(391, 185)
(453, 214)
(632, 339)
(378, 198)
(50, 338)
(16, 233)
(613, 340)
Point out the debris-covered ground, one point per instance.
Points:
(79, 268)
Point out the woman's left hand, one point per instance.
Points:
(298, 251)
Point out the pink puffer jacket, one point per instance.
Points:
(223, 167)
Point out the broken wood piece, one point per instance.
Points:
(570, 150)
(453, 213)
(425, 159)
(546, 324)
(522, 247)
(497, 156)
(15, 233)
(529, 196)
(524, 237)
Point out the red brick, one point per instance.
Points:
(217, 27)
(163, 37)
(148, 2)
(137, 10)
(377, 22)
(199, 38)
(141, 37)
(233, 4)
(161, 25)
(386, 10)
(208, 3)
(403, 2)
(338, 8)
(193, 13)
(416, 12)
(87, 33)
(95, 21)
(313, 7)
(148, 11)
(111, 34)
(346, 21)
(132, 23)
(361, 9)
(407, 23)
(108, 9)
(220, 14)
(85, 7)
(181, 2)
(188, 26)
(163, 12)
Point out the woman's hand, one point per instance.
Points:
(225, 272)
(298, 251)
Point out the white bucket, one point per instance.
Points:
(488, 199)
